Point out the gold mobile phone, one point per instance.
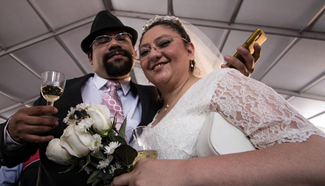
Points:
(258, 36)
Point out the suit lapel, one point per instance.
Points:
(149, 101)
(74, 92)
(70, 98)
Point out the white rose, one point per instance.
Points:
(75, 141)
(56, 153)
(100, 115)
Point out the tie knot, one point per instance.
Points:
(113, 85)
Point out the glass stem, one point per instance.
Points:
(50, 103)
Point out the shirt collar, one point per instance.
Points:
(100, 83)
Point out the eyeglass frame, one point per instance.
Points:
(110, 36)
(155, 46)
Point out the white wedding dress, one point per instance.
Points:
(253, 107)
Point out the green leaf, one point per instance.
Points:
(126, 153)
(114, 123)
(69, 169)
(106, 177)
(93, 164)
(88, 161)
(104, 133)
(121, 132)
(93, 176)
(97, 180)
(98, 155)
(118, 139)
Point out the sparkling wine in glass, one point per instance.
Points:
(140, 142)
(52, 86)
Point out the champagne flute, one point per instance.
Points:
(52, 86)
(140, 142)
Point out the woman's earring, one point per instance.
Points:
(192, 64)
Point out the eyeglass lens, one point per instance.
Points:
(159, 45)
(106, 39)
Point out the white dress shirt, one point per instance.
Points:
(95, 88)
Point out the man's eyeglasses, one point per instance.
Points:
(104, 40)
(160, 44)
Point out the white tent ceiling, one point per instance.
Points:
(40, 35)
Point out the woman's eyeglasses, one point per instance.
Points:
(160, 44)
(104, 40)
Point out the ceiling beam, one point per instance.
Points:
(299, 94)
(9, 97)
(73, 57)
(3, 119)
(223, 40)
(226, 33)
(316, 115)
(235, 26)
(57, 38)
(108, 5)
(197, 22)
(19, 104)
(235, 12)
(25, 65)
(310, 85)
(313, 21)
(315, 81)
(47, 36)
(283, 53)
(46, 23)
(170, 8)
(2, 47)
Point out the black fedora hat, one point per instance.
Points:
(104, 20)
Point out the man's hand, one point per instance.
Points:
(27, 123)
(245, 67)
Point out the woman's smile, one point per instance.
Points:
(158, 66)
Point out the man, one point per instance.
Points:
(110, 50)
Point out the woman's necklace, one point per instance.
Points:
(167, 105)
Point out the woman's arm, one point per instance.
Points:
(283, 164)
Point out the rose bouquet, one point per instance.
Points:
(92, 143)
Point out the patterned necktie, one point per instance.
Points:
(113, 102)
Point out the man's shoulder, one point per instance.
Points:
(78, 81)
(81, 78)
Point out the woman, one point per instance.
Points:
(291, 150)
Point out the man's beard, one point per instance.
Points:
(118, 67)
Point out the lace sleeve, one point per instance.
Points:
(259, 111)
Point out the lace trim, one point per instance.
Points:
(260, 112)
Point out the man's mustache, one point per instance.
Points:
(115, 52)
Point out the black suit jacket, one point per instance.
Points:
(49, 171)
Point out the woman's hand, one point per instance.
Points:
(245, 67)
(148, 172)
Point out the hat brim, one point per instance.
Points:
(91, 37)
